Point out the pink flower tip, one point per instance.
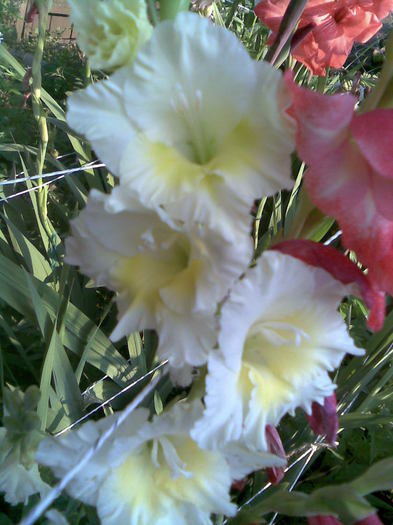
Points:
(324, 419)
(275, 446)
(342, 269)
(370, 520)
(323, 520)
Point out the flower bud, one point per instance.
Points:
(274, 443)
(110, 32)
(324, 419)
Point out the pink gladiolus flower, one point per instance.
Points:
(274, 443)
(324, 419)
(329, 28)
(323, 520)
(350, 173)
(342, 269)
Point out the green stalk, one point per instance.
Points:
(286, 30)
(170, 8)
(39, 115)
(382, 95)
(152, 10)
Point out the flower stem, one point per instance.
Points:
(43, 9)
(170, 8)
(287, 27)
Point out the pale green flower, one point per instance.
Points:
(195, 125)
(110, 32)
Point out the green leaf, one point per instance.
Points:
(79, 329)
(358, 420)
(34, 260)
(378, 477)
(170, 8)
(341, 501)
(382, 95)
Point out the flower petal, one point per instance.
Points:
(168, 277)
(342, 269)
(324, 419)
(180, 138)
(375, 146)
(279, 336)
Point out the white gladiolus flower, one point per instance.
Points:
(147, 472)
(280, 336)
(195, 125)
(17, 481)
(168, 278)
(110, 32)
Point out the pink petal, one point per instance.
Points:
(360, 24)
(341, 178)
(333, 44)
(274, 445)
(373, 132)
(322, 120)
(382, 191)
(382, 8)
(270, 12)
(342, 269)
(323, 520)
(373, 245)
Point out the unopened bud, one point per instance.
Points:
(274, 444)
(324, 419)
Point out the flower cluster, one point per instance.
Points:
(193, 140)
(327, 29)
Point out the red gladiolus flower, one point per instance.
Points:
(334, 25)
(350, 173)
(323, 520)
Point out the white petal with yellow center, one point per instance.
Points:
(280, 335)
(147, 472)
(110, 32)
(195, 125)
(167, 277)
